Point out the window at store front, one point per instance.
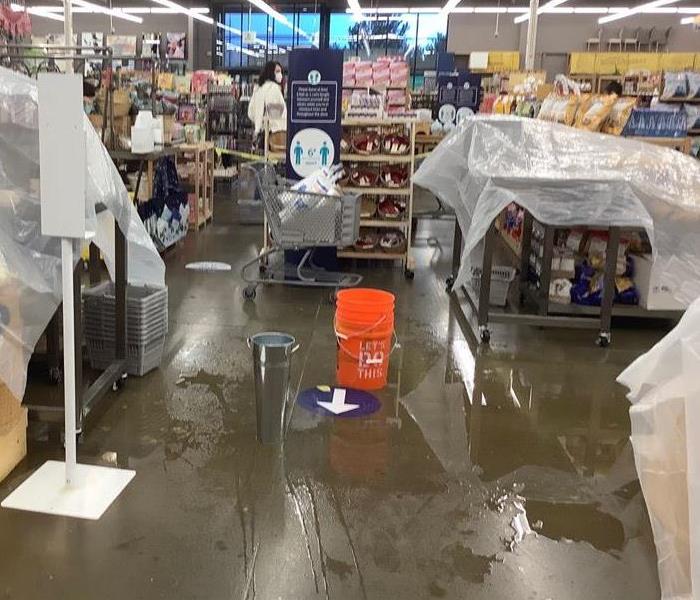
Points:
(415, 37)
(272, 40)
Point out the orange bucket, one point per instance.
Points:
(364, 329)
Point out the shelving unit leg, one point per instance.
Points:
(485, 284)
(606, 305)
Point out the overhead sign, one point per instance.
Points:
(339, 402)
(313, 120)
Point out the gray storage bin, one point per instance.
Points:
(147, 326)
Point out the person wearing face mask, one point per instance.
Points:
(267, 100)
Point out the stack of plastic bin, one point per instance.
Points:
(147, 326)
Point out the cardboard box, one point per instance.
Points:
(652, 294)
(13, 432)
(122, 125)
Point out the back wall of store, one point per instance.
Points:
(556, 33)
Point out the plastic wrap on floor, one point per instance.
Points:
(665, 416)
(569, 177)
(30, 263)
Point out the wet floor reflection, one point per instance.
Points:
(486, 473)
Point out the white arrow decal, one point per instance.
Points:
(338, 406)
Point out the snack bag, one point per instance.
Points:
(619, 115)
(675, 85)
(598, 112)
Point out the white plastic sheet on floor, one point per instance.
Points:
(30, 264)
(665, 415)
(565, 176)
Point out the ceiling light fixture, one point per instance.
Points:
(354, 8)
(107, 11)
(450, 5)
(691, 20)
(185, 11)
(635, 10)
(542, 9)
(36, 11)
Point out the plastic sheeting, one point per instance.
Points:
(665, 416)
(30, 264)
(569, 177)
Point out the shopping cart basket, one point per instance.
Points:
(301, 220)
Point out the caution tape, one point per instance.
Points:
(255, 157)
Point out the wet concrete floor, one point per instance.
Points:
(501, 472)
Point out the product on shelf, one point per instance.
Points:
(675, 85)
(396, 144)
(394, 176)
(389, 208)
(366, 142)
(693, 116)
(656, 122)
(345, 143)
(619, 115)
(596, 112)
(368, 207)
(393, 241)
(366, 242)
(363, 175)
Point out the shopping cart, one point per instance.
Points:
(301, 220)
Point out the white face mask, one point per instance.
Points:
(278, 77)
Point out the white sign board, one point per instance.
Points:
(478, 60)
(62, 155)
(248, 37)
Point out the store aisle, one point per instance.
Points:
(431, 497)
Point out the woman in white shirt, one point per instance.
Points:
(267, 100)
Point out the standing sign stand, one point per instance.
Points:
(65, 488)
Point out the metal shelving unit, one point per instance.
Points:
(534, 306)
(403, 224)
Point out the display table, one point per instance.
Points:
(200, 179)
(148, 159)
(533, 306)
(87, 397)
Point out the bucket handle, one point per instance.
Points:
(341, 336)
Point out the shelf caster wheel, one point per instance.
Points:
(409, 274)
(249, 292)
(603, 340)
(484, 334)
(120, 383)
(449, 282)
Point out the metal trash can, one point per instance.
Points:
(272, 357)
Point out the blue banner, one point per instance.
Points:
(314, 117)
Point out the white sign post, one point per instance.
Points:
(65, 488)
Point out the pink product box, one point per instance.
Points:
(349, 69)
(398, 68)
(349, 82)
(364, 81)
(396, 97)
(402, 82)
(363, 70)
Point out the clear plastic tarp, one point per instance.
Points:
(569, 177)
(665, 417)
(30, 264)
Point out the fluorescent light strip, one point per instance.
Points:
(37, 12)
(132, 10)
(107, 11)
(185, 11)
(635, 10)
(355, 9)
(450, 5)
(542, 9)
